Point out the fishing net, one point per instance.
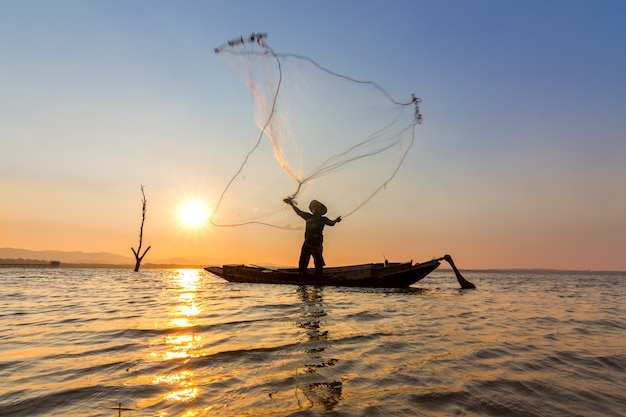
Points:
(322, 135)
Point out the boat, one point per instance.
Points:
(374, 275)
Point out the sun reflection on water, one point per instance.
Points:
(182, 395)
(181, 344)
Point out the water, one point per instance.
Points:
(109, 342)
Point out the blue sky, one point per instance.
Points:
(520, 161)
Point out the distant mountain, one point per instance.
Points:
(77, 257)
(66, 257)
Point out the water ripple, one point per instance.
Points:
(184, 343)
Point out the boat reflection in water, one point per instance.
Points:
(311, 383)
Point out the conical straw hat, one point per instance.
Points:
(317, 207)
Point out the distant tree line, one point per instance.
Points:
(28, 262)
(22, 261)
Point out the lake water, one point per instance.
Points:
(110, 342)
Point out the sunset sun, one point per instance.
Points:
(193, 213)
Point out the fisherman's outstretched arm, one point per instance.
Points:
(294, 207)
(333, 222)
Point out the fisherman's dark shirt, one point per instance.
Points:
(314, 227)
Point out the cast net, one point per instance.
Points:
(322, 135)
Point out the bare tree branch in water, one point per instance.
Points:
(138, 258)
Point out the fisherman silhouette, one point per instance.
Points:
(313, 237)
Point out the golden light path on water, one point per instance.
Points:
(181, 345)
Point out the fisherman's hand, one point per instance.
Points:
(338, 219)
(288, 201)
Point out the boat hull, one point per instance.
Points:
(376, 275)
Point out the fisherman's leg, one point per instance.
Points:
(305, 255)
(318, 259)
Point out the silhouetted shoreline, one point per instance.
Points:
(35, 263)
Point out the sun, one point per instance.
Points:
(193, 213)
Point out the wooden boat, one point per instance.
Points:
(379, 275)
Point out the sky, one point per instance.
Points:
(520, 161)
